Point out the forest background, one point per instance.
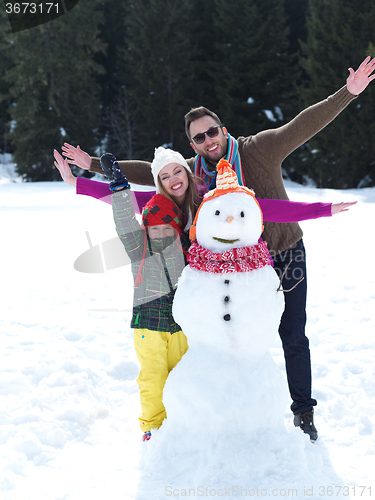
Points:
(120, 76)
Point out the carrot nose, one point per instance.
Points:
(229, 219)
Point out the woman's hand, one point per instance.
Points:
(65, 171)
(76, 156)
(336, 208)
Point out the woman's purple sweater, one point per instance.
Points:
(273, 210)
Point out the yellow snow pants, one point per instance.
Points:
(158, 353)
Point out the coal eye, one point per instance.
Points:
(242, 214)
(217, 212)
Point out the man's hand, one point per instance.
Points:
(76, 156)
(62, 166)
(358, 80)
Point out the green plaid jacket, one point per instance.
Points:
(163, 262)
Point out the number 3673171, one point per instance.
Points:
(32, 8)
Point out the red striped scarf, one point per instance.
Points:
(235, 260)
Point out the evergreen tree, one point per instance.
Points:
(52, 83)
(120, 124)
(115, 128)
(296, 19)
(340, 33)
(5, 97)
(160, 75)
(203, 38)
(253, 73)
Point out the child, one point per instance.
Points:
(157, 262)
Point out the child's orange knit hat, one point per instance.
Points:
(226, 182)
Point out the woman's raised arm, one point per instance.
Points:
(65, 171)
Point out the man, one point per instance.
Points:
(257, 160)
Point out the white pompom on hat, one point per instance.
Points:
(163, 157)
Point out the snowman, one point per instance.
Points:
(226, 398)
(228, 303)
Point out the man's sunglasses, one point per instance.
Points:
(211, 133)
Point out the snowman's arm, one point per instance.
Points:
(100, 191)
(292, 211)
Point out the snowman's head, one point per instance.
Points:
(229, 216)
(231, 220)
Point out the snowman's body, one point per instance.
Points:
(231, 312)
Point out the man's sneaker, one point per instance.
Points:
(146, 436)
(306, 422)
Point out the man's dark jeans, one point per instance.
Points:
(292, 327)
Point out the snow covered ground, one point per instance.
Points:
(68, 395)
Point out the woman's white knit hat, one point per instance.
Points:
(163, 157)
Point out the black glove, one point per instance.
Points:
(107, 161)
(113, 172)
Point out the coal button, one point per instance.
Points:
(227, 317)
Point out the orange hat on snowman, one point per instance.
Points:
(226, 182)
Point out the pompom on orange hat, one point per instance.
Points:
(226, 182)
